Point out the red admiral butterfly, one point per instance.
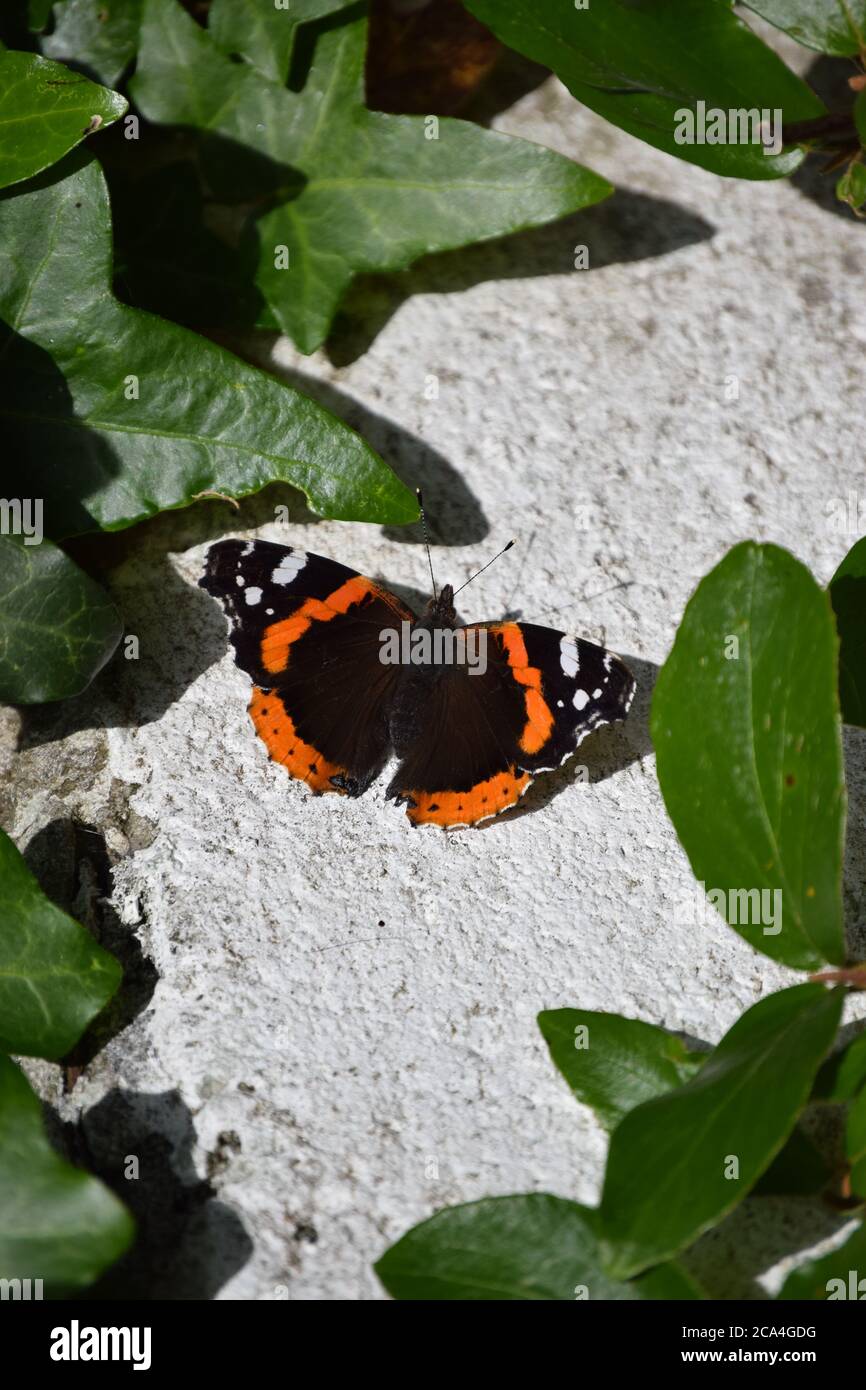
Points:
(329, 706)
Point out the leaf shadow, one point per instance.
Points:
(629, 226)
(829, 78)
(180, 631)
(50, 453)
(188, 1244)
(454, 513)
(71, 862)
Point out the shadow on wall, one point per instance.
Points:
(626, 227)
(72, 865)
(189, 1244)
(829, 78)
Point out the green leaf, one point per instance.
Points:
(352, 190)
(513, 1248)
(99, 35)
(262, 33)
(57, 1223)
(855, 1144)
(39, 12)
(57, 626)
(745, 725)
(613, 1063)
(54, 978)
(45, 110)
(113, 415)
(839, 1275)
(830, 26)
(667, 1170)
(848, 597)
(843, 1074)
(645, 66)
(851, 187)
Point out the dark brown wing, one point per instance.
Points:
(482, 738)
(308, 631)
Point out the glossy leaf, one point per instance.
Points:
(112, 415)
(745, 725)
(679, 1163)
(57, 626)
(45, 110)
(642, 65)
(100, 36)
(839, 1275)
(843, 1074)
(350, 190)
(848, 597)
(57, 1223)
(612, 1063)
(54, 978)
(262, 33)
(515, 1248)
(830, 26)
(855, 1144)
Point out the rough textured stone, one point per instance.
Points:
(334, 1014)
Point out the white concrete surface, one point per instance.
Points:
(348, 1002)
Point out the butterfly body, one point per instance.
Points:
(470, 732)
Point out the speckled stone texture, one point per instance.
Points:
(332, 1017)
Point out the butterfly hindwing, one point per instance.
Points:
(483, 737)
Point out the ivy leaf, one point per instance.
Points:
(843, 1074)
(848, 597)
(45, 110)
(830, 26)
(613, 1063)
(264, 34)
(679, 1163)
(515, 1248)
(356, 190)
(745, 725)
(54, 978)
(113, 415)
(839, 1275)
(57, 626)
(57, 1223)
(640, 66)
(99, 35)
(855, 1143)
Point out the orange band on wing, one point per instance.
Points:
(275, 727)
(539, 717)
(279, 636)
(466, 808)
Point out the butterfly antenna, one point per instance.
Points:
(483, 568)
(426, 538)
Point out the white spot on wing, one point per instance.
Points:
(581, 698)
(595, 693)
(248, 548)
(253, 595)
(289, 567)
(239, 579)
(568, 657)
